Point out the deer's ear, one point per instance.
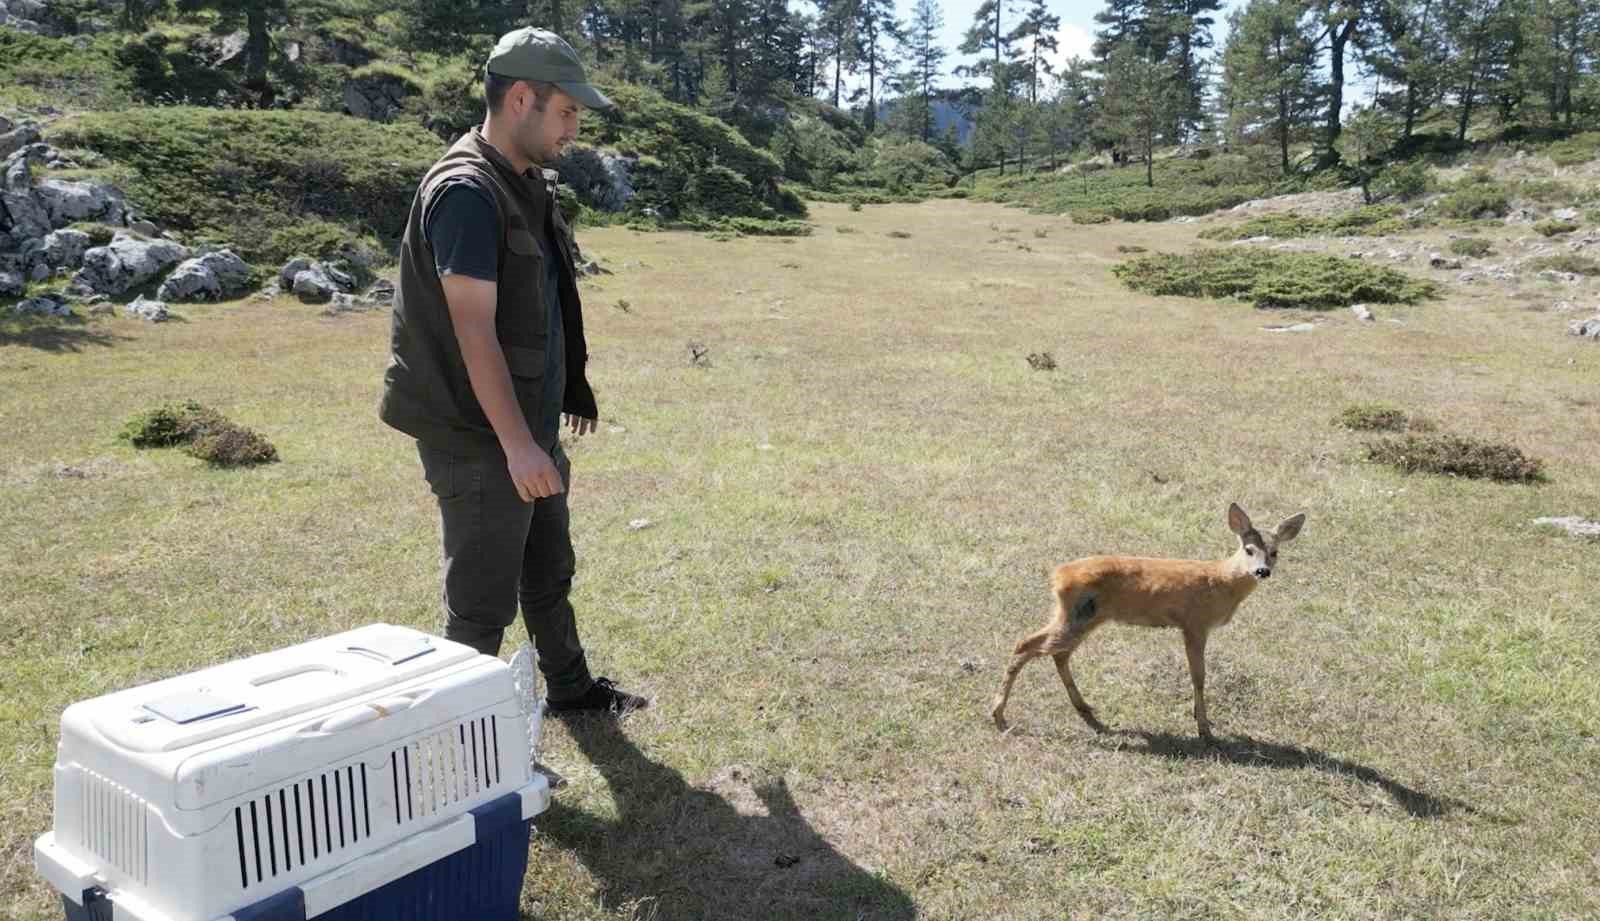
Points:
(1238, 521)
(1290, 527)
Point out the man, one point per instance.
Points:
(487, 356)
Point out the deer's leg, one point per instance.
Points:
(1065, 671)
(1194, 643)
(1026, 651)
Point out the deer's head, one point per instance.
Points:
(1258, 552)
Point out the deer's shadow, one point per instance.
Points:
(1251, 752)
(681, 852)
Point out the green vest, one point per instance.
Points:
(426, 391)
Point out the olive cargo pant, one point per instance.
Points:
(500, 551)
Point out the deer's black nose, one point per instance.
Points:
(1263, 573)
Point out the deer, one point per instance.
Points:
(1195, 596)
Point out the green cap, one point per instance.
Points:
(545, 57)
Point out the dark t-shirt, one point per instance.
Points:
(464, 231)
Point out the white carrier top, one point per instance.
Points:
(194, 796)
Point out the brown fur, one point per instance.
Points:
(1195, 596)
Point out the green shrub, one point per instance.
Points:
(1475, 200)
(203, 432)
(253, 177)
(83, 71)
(1457, 455)
(904, 165)
(689, 151)
(1380, 417)
(1267, 278)
(1548, 191)
(1566, 262)
(166, 426)
(230, 445)
(760, 227)
(1403, 181)
(719, 190)
(1373, 220)
(1555, 228)
(1473, 247)
(1091, 217)
(1576, 150)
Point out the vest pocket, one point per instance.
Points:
(524, 362)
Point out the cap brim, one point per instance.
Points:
(590, 97)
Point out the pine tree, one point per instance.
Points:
(879, 33)
(1140, 97)
(1036, 36)
(837, 40)
(924, 57)
(1406, 51)
(1269, 70)
(1480, 35)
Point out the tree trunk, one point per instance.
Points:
(1411, 109)
(1337, 40)
(1283, 129)
(256, 48)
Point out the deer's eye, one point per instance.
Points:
(1250, 550)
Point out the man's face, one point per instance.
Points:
(544, 135)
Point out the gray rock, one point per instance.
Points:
(42, 307)
(127, 262)
(313, 286)
(601, 177)
(6, 124)
(146, 309)
(1587, 329)
(1565, 214)
(1294, 328)
(1439, 261)
(376, 97)
(11, 284)
(340, 302)
(1577, 527)
(27, 217)
(145, 229)
(211, 277)
(41, 272)
(381, 294)
(1570, 278)
(1362, 312)
(14, 139)
(65, 248)
(292, 268)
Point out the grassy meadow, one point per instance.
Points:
(853, 499)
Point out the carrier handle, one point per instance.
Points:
(365, 713)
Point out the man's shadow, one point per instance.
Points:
(686, 853)
(1249, 752)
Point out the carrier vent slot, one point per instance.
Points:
(445, 768)
(302, 823)
(115, 826)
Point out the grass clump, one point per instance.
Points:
(1457, 455)
(1380, 417)
(1130, 248)
(1566, 262)
(1372, 220)
(1272, 279)
(1473, 247)
(1555, 228)
(202, 432)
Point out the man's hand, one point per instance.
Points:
(580, 425)
(533, 473)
